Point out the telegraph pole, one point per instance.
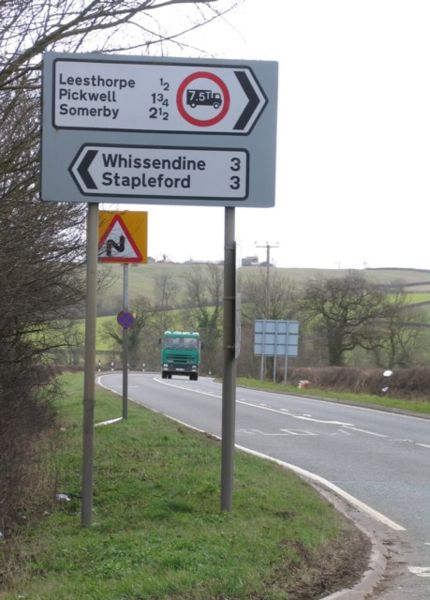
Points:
(268, 247)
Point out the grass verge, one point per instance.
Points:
(387, 402)
(158, 531)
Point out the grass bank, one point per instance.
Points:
(384, 402)
(158, 532)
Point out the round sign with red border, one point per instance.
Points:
(202, 96)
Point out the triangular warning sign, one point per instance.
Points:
(117, 244)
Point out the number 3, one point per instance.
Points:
(235, 166)
(235, 182)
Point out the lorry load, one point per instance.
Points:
(180, 354)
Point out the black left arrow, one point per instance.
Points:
(89, 182)
(253, 100)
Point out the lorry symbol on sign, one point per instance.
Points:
(203, 98)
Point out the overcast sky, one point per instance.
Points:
(353, 167)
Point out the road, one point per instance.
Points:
(381, 459)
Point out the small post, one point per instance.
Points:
(275, 353)
(90, 365)
(286, 354)
(125, 346)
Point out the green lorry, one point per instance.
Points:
(180, 354)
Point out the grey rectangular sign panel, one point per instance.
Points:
(224, 110)
(276, 338)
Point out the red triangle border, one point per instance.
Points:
(118, 259)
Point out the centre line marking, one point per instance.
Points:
(354, 428)
(420, 571)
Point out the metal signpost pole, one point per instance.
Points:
(125, 347)
(229, 378)
(286, 354)
(275, 352)
(90, 365)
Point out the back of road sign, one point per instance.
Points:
(158, 130)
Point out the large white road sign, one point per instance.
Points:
(144, 130)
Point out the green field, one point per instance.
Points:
(158, 532)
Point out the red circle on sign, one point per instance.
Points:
(180, 101)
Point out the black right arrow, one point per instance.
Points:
(253, 100)
(83, 169)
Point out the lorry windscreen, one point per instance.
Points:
(173, 343)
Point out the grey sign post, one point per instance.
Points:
(178, 131)
(276, 338)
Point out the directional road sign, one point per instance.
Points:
(276, 338)
(123, 237)
(158, 130)
(154, 96)
(128, 171)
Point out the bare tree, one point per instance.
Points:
(347, 311)
(204, 290)
(282, 295)
(165, 299)
(401, 331)
(41, 245)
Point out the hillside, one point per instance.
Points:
(143, 278)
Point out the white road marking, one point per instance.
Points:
(423, 445)
(299, 432)
(109, 422)
(314, 420)
(284, 432)
(270, 434)
(186, 388)
(354, 428)
(281, 412)
(420, 571)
